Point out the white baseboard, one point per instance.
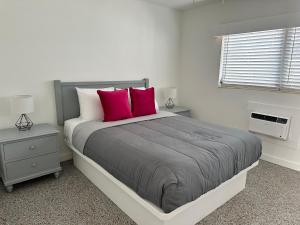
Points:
(282, 162)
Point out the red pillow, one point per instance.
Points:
(115, 105)
(142, 102)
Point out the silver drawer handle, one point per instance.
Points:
(33, 164)
(32, 147)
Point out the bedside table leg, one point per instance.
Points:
(56, 174)
(9, 188)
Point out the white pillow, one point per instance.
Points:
(90, 104)
(141, 88)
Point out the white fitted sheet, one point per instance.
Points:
(70, 126)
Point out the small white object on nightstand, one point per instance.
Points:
(170, 95)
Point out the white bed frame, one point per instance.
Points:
(142, 211)
(139, 210)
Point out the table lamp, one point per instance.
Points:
(23, 104)
(170, 94)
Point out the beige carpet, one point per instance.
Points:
(272, 196)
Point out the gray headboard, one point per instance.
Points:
(67, 106)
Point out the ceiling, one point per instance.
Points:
(181, 4)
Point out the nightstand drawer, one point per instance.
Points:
(30, 148)
(33, 166)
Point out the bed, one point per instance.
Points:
(159, 169)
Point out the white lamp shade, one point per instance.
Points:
(170, 93)
(22, 104)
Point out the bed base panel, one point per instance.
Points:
(145, 213)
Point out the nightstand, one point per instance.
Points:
(29, 154)
(183, 111)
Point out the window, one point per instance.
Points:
(262, 59)
(291, 61)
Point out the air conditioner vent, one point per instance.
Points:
(270, 125)
(269, 118)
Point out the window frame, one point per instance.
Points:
(279, 88)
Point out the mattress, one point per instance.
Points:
(69, 127)
(169, 160)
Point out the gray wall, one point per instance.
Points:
(200, 70)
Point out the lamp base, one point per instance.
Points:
(24, 123)
(170, 104)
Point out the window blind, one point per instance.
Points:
(253, 59)
(291, 65)
(265, 58)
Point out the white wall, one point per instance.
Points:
(82, 40)
(200, 70)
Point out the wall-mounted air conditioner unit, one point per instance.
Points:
(274, 126)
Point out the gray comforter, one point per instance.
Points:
(172, 161)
